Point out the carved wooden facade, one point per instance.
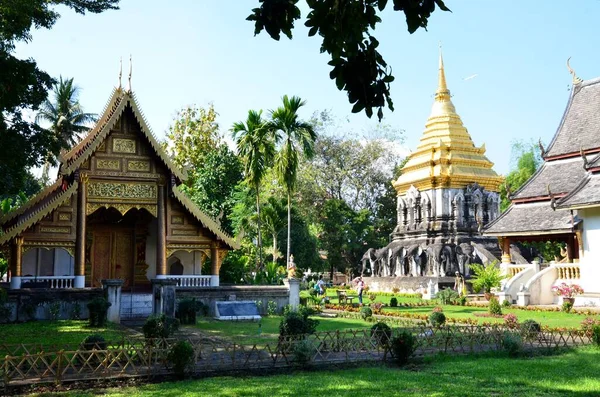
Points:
(115, 189)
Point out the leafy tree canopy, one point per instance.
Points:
(526, 159)
(23, 86)
(346, 30)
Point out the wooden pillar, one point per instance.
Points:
(81, 232)
(16, 260)
(570, 248)
(215, 265)
(161, 235)
(505, 249)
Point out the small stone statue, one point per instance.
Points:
(291, 268)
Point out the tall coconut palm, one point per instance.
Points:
(256, 147)
(296, 138)
(66, 117)
(273, 221)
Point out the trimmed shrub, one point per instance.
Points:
(530, 329)
(382, 334)
(447, 296)
(271, 308)
(187, 310)
(394, 302)
(296, 324)
(506, 303)
(596, 335)
(75, 311)
(94, 342)
(512, 344)
(54, 310)
(98, 308)
(181, 356)
(494, 307)
(302, 351)
(462, 300)
(587, 325)
(567, 306)
(366, 312)
(511, 321)
(158, 327)
(403, 346)
(437, 319)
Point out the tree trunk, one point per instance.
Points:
(260, 261)
(275, 256)
(289, 225)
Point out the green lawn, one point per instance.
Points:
(552, 319)
(246, 332)
(573, 374)
(61, 332)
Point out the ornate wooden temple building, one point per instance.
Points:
(115, 212)
(559, 202)
(447, 192)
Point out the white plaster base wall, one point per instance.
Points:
(190, 261)
(540, 287)
(589, 264)
(47, 262)
(136, 305)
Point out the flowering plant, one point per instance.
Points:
(511, 321)
(567, 291)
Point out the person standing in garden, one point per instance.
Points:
(360, 286)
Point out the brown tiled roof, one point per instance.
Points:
(530, 219)
(580, 125)
(586, 194)
(560, 175)
(204, 219)
(36, 213)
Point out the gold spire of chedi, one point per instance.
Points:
(446, 156)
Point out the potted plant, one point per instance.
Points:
(486, 277)
(567, 292)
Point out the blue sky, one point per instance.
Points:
(197, 52)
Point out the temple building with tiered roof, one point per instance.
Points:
(560, 202)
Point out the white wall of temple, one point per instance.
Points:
(191, 262)
(151, 249)
(47, 262)
(589, 264)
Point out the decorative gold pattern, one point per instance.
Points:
(102, 147)
(184, 232)
(177, 220)
(446, 155)
(86, 164)
(46, 229)
(108, 164)
(121, 145)
(122, 190)
(172, 248)
(48, 245)
(64, 216)
(138, 166)
(83, 177)
(121, 207)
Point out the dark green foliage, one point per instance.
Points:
(303, 352)
(296, 324)
(346, 30)
(393, 302)
(506, 303)
(54, 310)
(567, 306)
(94, 342)
(98, 308)
(462, 300)
(29, 309)
(512, 344)
(382, 333)
(23, 143)
(530, 329)
(494, 307)
(75, 311)
(5, 310)
(187, 310)
(159, 327)
(596, 335)
(403, 346)
(447, 296)
(437, 319)
(366, 312)
(181, 356)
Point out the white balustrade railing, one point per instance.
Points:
(568, 271)
(56, 282)
(191, 281)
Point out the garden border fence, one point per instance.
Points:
(138, 357)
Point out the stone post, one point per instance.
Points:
(161, 235)
(215, 266)
(16, 261)
(112, 290)
(164, 298)
(293, 285)
(81, 232)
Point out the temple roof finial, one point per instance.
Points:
(576, 80)
(442, 87)
(130, 68)
(120, 70)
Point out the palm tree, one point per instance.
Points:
(273, 221)
(67, 119)
(297, 138)
(256, 147)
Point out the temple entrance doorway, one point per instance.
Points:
(112, 254)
